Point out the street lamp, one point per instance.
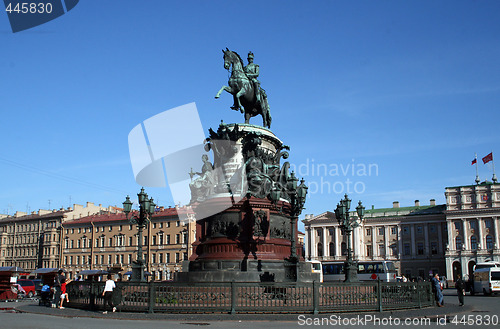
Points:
(297, 196)
(146, 210)
(347, 224)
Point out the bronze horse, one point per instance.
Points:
(243, 91)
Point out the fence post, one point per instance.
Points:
(419, 288)
(233, 298)
(379, 295)
(152, 297)
(315, 297)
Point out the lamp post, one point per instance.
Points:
(297, 196)
(347, 224)
(146, 210)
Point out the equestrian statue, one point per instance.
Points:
(249, 97)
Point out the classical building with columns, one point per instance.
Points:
(412, 237)
(421, 239)
(472, 218)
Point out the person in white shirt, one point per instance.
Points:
(108, 294)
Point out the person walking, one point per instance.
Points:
(460, 286)
(436, 288)
(108, 294)
(58, 280)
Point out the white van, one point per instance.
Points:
(317, 268)
(486, 280)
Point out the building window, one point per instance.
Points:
(332, 249)
(153, 242)
(109, 260)
(343, 249)
(167, 259)
(177, 239)
(394, 250)
(405, 230)
(110, 242)
(434, 249)
(168, 224)
(177, 257)
(79, 230)
(458, 243)
(160, 239)
(130, 258)
(168, 239)
(368, 250)
(130, 241)
(420, 248)
(161, 226)
(154, 226)
(178, 223)
(489, 242)
(160, 258)
(380, 231)
(111, 228)
(457, 225)
(487, 223)
(120, 228)
(473, 243)
(381, 250)
(394, 230)
(368, 231)
(102, 259)
(153, 258)
(419, 229)
(320, 249)
(96, 261)
(407, 250)
(331, 231)
(473, 224)
(130, 227)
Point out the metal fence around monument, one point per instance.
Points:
(247, 297)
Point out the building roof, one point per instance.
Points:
(173, 213)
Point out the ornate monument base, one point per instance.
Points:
(242, 233)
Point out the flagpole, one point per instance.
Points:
(477, 174)
(493, 163)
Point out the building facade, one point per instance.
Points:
(109, 242)
(32, 241)
(411, 237)
(448, 239)
(472, 217)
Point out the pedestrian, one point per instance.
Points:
(64, 294)
(108, 294)
(460, 286)
(58, 280)
(436, 288)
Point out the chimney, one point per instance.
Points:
(417, 203)
(395, 204)
(433, 202)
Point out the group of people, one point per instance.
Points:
(59, 287)
(438, 293)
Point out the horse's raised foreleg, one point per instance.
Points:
(226, 88)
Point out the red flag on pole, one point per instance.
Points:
(474, 161)
(488, 158)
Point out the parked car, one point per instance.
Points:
(28, 286)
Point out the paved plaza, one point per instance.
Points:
(477, 311)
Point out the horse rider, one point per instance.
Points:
(252, 72)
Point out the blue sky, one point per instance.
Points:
(410, 88)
